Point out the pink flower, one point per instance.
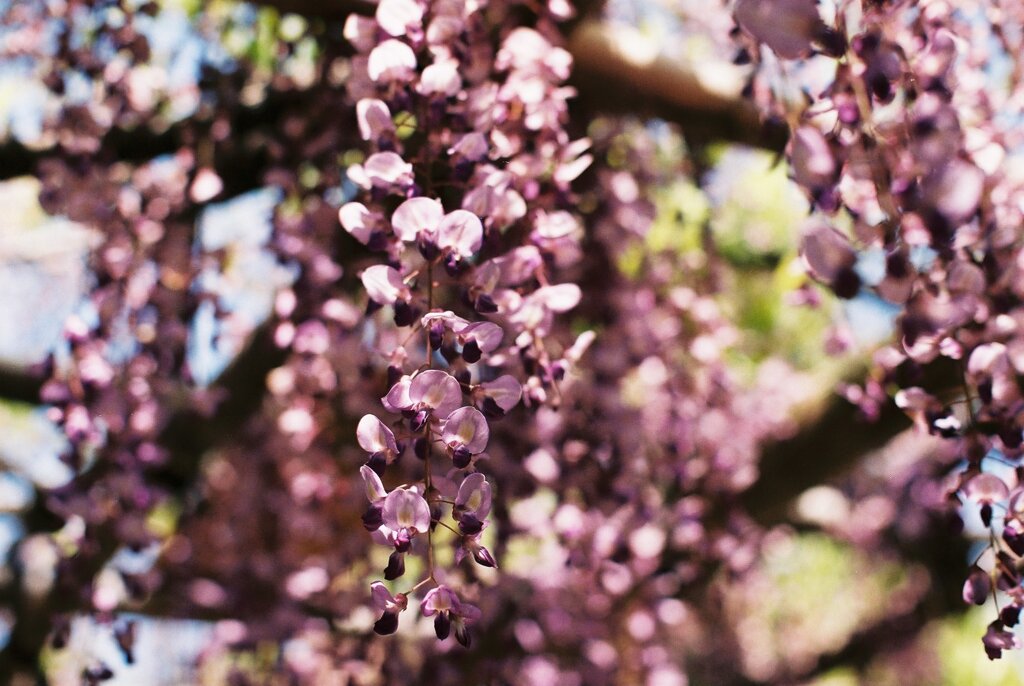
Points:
(448, 611)
(786, 26)
(389, 605)
(499, 396)
(391, 62)
(374, 119)
(465, 433)
(406, 513)
(384, 285)
(397, 17)
(378, 440)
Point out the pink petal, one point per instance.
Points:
(475, 495)
(785, 26)
(826, 252)
(374, 119)
(436, 390)
(384, 284)
(986, 488)
(462, 232)
(396, 17)
(415, 216)
(560, 298)
(813, 163)
(385, 169)
(406, 509)
(374, 436)
(357, 220)
(487, 335)
(472, 146)
(466, 426)
(374, 487)
(441, 77)
(398, 398)
(390, 61)
(505, 391)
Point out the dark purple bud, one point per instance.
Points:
(421, 448)
(485, 304)
(471, 352)
(125, 636)
(404, 314)
(461, 457)
(462, 635)
(378, 241)
(846, 283)
(373, 518)
(372, 306)
(986, 514)
(396, 566)
(61, 632)
(436, 335)
(96, 674)
(427, 248)
(832, 42)
(557, 371)
(454, 265)
(449, 353)
(484, 557)
(387, 624)
(402, 541)
(463, 377)
(442, 625)
(977, 586)
(470, 525)
(378, 462)
(491, 409)
(1010, 615)
(420, 420)
(394, 374)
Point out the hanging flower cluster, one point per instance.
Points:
(917, 205)
(464, 192)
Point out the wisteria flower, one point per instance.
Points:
(373, 518)
(473, 503)
(499, 396)
(432, 393)
(378, 440)
(374, 119)
(465, 433)
(391, 61)
(385, 286)
(406, 513)
(448, 611)
(389, 605)
(397, 17)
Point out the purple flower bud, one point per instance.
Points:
(470, 525)
(485, 304)
(471, 352)
(378, 462)
(442, 625)
(461, 457)
(421, 447)
(373, 518)
(387, 624)
(484, 557)
(977, 586)
(396, 566)
(405, 314)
